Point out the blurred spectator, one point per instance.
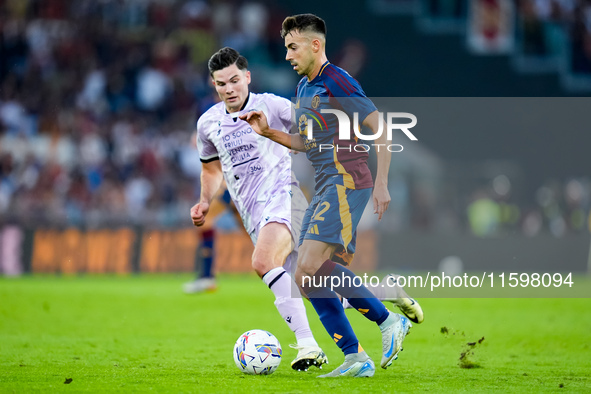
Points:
(352, 57)
(483, 214)
(581, 39)
(543, 24)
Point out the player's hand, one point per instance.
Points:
(198, 213)
(258, 121)
(381, 200)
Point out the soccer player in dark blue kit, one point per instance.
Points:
(343, 188)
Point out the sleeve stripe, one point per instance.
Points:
(209, 159)
(328, 90)
(338, 83)
(347, 82)
(339, 80)
(344, 79)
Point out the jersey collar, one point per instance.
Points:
(326, 63)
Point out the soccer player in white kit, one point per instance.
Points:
(263, 188)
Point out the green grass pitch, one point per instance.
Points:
(141, 333)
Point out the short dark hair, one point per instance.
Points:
(225, 57)
(303, 22)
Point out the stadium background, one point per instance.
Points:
(98, 100)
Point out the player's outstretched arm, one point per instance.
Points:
(381, 195)
(258, 122)
(211, 180)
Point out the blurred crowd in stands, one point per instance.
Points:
(558, 208)
(555, 31)
(98, 101)
(99, 98)
(543, 21)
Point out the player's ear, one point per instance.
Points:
(316, 45)
(247, 75)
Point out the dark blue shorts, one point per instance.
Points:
(333, 216)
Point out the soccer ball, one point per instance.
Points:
(257, 352)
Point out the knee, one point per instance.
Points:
(307, 261)
(306, 267)
(262, 265)
(259, 266)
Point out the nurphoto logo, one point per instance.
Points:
(345, 127)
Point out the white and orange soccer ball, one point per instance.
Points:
(257, 352)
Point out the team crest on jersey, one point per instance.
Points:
(315, 101)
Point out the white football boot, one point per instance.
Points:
(394, 330)
(389, 290)
(200, 285)
(357, 365)
(308, 356)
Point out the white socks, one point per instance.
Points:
(290, 308)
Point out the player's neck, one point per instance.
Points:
(317, 67)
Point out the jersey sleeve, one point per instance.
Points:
(285, 113)
(206, 148)
(281, 111)
(348, 92)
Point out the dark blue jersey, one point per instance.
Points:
(333, 88)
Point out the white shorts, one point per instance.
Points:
(288, 206)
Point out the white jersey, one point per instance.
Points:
(256, 170)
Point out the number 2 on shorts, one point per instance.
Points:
(318, 215)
